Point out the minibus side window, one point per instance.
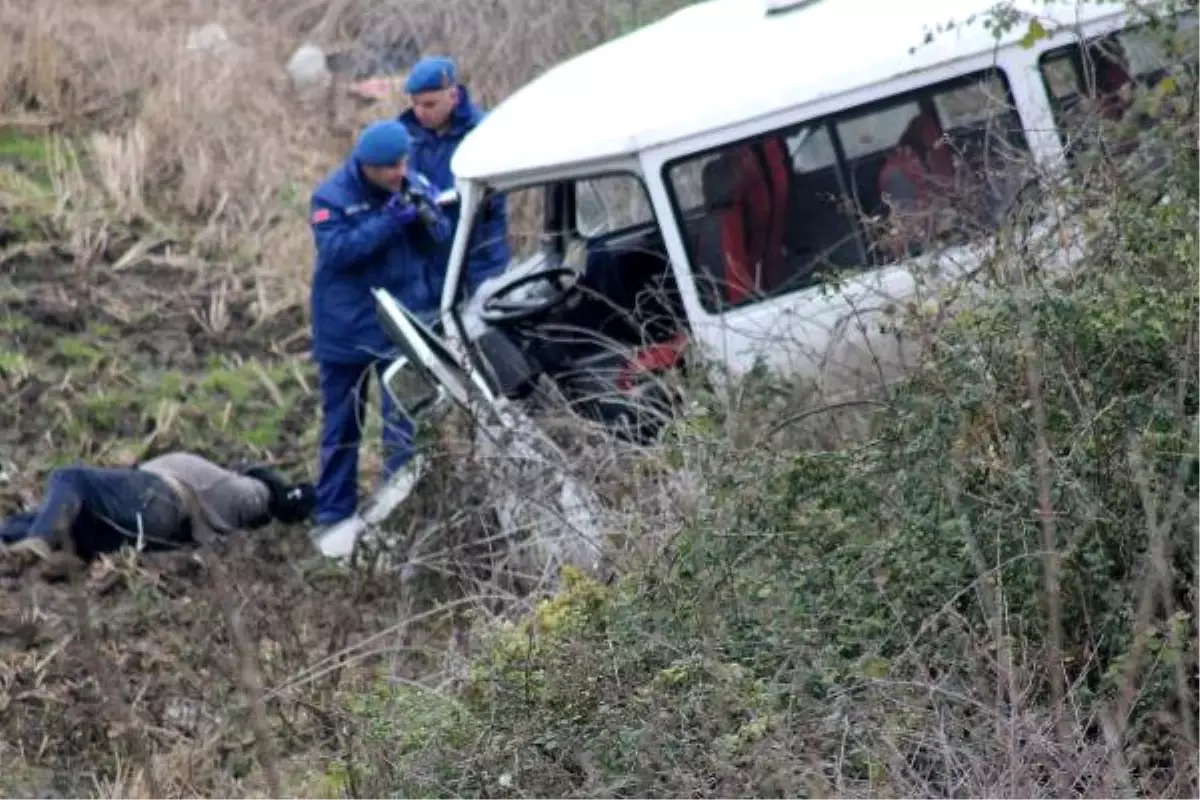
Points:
(1091, 86)
(862, 188)
(611, 203)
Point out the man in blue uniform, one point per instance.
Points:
(442, 114)
(375, 225)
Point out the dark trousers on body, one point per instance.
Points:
(101, 509)
(343, 406)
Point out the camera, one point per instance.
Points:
(420, 200)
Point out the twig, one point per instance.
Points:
(120, 711)
(248, 673)
(1160, 579)
(1051, 559)
(800, 416)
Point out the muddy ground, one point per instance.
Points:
(133, 664)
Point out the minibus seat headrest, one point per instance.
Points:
(717, 182)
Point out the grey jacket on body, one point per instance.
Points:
(220, 499)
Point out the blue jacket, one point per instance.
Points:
(360, 247)
(430, 155)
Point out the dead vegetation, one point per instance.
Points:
(214, 153)
(154, 268)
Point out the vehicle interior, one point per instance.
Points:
(1078, 77)
(598, 313)
(775, 213)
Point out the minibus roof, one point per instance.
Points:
(721, 62)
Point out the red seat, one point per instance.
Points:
(762, 190)
(746, 191)
(922, 161)
(731, 268)
(1111, 78)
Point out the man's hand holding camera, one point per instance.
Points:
(410, 203)
(400, 209)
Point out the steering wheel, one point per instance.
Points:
(496, 310)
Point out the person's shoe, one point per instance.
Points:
(394, 491)
(24, 554)
(338, 540)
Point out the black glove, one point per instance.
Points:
(419, 195)
(289, 502)
(401, 209)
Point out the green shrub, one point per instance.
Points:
(832, 610)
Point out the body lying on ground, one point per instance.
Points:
(174, 500)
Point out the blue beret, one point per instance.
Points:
(431, 74)
(382, 143)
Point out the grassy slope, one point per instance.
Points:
(807, 634)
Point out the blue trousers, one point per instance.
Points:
(100, 509)
(343, 405)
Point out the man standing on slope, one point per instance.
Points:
(442, 114)
(375, 225)
(173, 500)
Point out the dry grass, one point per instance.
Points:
(161, 195)
(222, 144)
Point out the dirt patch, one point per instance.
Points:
(139, 662)
(106, 358)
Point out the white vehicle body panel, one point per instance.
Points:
(726, 64)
